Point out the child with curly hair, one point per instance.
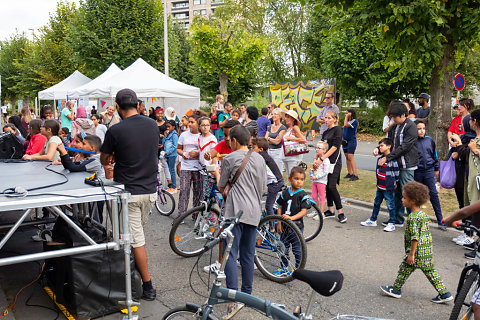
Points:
(418, 245)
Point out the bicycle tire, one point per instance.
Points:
(169, 206)
(191, 232)
(185, 312)
(312, 227)
(268, 242)
(460, 300)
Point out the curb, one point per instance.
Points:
(368, 205)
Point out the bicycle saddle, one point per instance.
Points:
(325, 283)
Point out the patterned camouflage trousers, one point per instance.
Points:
(432, 275)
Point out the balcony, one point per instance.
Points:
(183, 6)
(217, 3)
(181, 16)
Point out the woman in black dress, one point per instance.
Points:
(333, 136)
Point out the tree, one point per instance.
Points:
(118, 31)
(224, 49)
(422, 35)
(12, 51)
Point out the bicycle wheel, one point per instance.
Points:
(462, 308)
(191, 231)
(313, 223)
(165, 203)
(280, 249)
(185, 312)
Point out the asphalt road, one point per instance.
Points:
(363, 155)
(368, 258)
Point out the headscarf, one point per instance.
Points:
(168, 113)
(81, 113)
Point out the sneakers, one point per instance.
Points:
(398, 225)
(389, 228)
(233, 310)
(282, 272)
(369, 223)
(348, 176)
(312, 214)
(460, 237)
(470, 255)
(467, 240)
(388, 290)
(442, 298)
(213, 268)
(328, 214)
(471, 246)
(149, 294)
(171, 190)
(354, 178)
(342, 218)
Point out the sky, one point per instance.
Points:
(23, 15)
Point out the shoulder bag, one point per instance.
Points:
(331, 166)
(229, 185)
(293, 148)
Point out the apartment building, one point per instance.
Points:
(183, 11)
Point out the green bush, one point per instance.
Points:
(370, 120)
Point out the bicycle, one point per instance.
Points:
(468, 283)
(325, 283)
(276, 239)
(165, 202)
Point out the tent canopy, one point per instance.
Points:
(91, 89)
(60, 90)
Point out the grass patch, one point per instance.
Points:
(365, 188)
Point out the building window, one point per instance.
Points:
(199, 1)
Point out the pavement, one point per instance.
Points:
(368, 257)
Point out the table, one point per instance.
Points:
(26, 175)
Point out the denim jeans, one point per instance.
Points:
(171, 168)
(273, 189)
(389, 197)
(288, 238)
(405, 176)
(243, 246)
(427, 177)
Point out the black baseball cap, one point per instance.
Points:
(126, 97)
(424, 96)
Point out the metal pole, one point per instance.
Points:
(165, 36)
(15, 227)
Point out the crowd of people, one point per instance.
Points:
(247, 152)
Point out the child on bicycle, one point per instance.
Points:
(275, 181)
(418, 245)
(319, 179)
(293, 204)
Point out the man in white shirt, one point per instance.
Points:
(4, 113)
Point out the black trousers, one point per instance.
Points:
(332, 193)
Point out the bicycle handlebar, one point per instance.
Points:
(467, 225)
(223, 235)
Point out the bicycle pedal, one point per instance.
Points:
(297, 311)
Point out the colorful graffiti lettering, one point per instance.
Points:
(307, 99)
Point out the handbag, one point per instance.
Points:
(293, 148)
(229, 185)
(448, 177)
(331, 166)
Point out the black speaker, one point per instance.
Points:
(89, 285)
(10, 147)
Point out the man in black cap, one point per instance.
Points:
(424, 110)
(132, 145)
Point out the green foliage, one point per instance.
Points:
(117, 31)
(223, 49)
(370, 120)
(12, 52)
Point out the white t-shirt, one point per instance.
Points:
(206, 144)
(189, 141)
(387, 122)
(4, 109)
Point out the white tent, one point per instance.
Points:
(60, 90)
(93, 88)
(148, 82)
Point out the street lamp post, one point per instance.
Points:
(165, 36)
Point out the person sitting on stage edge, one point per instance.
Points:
(50, 130)
(135, 135)
(91, 163)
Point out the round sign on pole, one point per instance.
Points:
(459, 82)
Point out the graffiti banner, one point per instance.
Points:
(306, 98)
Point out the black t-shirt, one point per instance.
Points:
(293, 203)
(334, 136)
(134, 143)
